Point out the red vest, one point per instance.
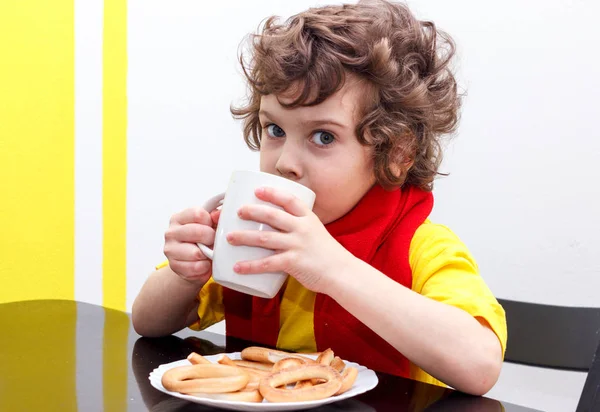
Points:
(379, 231)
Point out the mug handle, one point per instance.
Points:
(211, 204)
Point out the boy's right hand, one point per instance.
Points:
(186, 228)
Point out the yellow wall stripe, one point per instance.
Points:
(114, 162)
(36, 149)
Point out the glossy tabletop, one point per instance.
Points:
(60, 355)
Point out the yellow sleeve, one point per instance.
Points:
(162, 265)
(444, 270)
(210, 309)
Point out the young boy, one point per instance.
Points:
(350, 101)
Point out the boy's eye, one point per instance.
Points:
(275, 131)
(323, 138)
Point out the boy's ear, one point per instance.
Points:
(401, 168)
(401, 164)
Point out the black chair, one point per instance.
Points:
(590, 396)
(557, 337)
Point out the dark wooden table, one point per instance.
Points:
(58, 355)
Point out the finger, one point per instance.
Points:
(287, 201)
(265, 239)
(215, 215)
(274, 263)
(192, 215)
(191, 270)
(276, 218)
(191, 232)
(187, 252)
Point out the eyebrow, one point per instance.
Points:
(312, 123)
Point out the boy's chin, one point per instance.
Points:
(324, 217)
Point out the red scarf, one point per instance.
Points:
(378, 230)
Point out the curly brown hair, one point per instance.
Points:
(403, 61)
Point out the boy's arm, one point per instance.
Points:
(168, 301)
(445, 341)
(166, 304)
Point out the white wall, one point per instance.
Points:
(523, 191)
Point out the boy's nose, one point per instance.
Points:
(288, 164)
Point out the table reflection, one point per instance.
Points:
(69, 356)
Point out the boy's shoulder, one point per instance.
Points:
(433, 240)
(434, 231)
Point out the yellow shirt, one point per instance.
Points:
(442, 269)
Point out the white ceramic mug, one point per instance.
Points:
(240, 192)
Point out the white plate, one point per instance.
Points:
(366, 380)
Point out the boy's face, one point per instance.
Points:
(316, 146)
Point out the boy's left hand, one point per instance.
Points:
(305, 249)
